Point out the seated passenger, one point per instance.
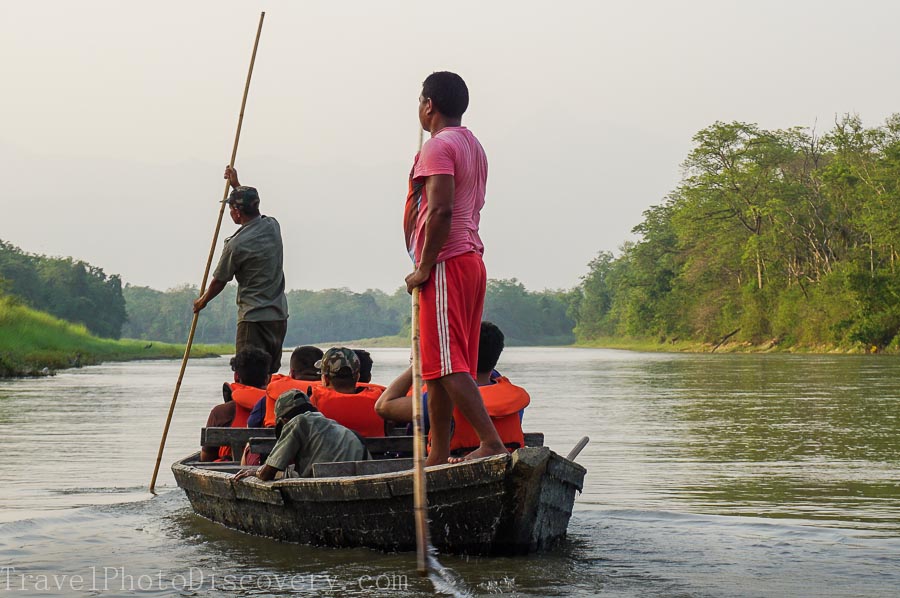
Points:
(220, 416)
(342, 398)
(251, 373)
(306, 437)
(504, 401)
(365, 369)
(303, 375)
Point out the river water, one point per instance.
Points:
(708, 475)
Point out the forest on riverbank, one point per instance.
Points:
(526, 317)
(62, 312)
(774, 238)
(781, 239)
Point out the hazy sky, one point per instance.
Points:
(118, 118)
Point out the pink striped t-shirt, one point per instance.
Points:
(454, 151)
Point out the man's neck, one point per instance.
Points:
(248, 219)
(343, 387)
(441, 122)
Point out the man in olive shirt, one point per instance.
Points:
(254, 256)
(306, 437)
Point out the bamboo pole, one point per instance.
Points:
(423, 541)
(212, 250)
(420, 494)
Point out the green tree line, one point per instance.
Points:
(779, 237)
(69, 289)
(526, 317)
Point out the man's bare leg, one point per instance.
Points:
(465, 395)
(440, 413)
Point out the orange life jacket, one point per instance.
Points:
(245, 398)
(278, 385)
(356, 411)
(503, 402)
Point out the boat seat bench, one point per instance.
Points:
(263, 439)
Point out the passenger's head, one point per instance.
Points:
(288, 406)
(365, 365)
(340, 367)
(303, 361)
(251, 367)
(490, 346)
(244, 200)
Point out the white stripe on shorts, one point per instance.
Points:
(443, 326)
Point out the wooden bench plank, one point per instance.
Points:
(260, 436)
(377, 445)
(338, 469)
(231, 436)
(534, 438)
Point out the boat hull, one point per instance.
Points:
(510, 504)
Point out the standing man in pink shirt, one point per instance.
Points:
(443, 210)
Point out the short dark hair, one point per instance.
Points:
(252, 366)
(365, 365)
(447, 92)
(251, 211)
(304, 359)
(344, 374)
(490, 346)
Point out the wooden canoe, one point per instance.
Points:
(503, 505)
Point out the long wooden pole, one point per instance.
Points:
(423, 540)
(420, 495)
(212, 250)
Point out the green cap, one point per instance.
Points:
(337, 358)
(289, 401)
(244, 197)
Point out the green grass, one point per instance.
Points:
(31, 341)
(693, 346)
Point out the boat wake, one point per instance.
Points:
(445, 580)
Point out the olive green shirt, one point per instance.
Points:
(254, 256)
(313, 438)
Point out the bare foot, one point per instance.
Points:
(481, 451)
(436, 459)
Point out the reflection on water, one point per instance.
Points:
(708, 475)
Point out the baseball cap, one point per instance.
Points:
(337, 358)
(244, 197)
(289, 401)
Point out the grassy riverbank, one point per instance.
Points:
(33, 342)
(689, 346)
(378, 342)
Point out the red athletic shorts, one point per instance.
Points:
(450, 308)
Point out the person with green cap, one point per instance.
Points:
(254, 255)
(306, 437)
(343, 398)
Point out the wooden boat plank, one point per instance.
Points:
(346, 489)
(441, 477)
(211, 483)
(256, 490)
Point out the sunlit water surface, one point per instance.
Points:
(708, 475)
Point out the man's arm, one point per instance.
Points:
(394, 404)
(440, 190)
(215, 287)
